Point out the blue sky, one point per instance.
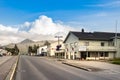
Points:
(92, 15)
(19, 11)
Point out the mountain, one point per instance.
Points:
(26, 41)
(23, 45)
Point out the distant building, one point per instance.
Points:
(42, 51)
(96, 45)
(57, 49)
(4, 52)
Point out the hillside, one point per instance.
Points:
(23, 45)
(26, 41)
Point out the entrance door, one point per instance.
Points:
(83, 55)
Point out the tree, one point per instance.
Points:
(46, 43)
(16, 50)
(33, 49)
(29, 50)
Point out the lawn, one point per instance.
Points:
(115, 61)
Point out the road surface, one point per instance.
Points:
(6, 62)
(40, 68)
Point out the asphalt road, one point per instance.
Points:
(37, 68)
(5, 65)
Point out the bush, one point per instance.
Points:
(115, 61)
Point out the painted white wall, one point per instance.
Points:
(118, 49)
(92, 43)
(72, 39)
(52, 47)
(40, 48)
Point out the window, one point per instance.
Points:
(72, 46)
(106, 54)
(86, 43)
(75, 44)
(102, 44)
(101, 54)
(88, 54)
(111, 43)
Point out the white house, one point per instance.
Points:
(96, 45)
(42, 50)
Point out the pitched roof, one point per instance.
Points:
(93, 36)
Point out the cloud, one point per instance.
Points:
(46, 26)
(43, 28)
(6, 34)
(109, 4)
(7, 29)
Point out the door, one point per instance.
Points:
(83, 55)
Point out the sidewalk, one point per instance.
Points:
(93, 65)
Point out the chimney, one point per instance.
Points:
(82, 30)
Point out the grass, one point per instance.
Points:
(115, 61)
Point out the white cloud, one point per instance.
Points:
(6, 34)
(43, 28)
(7, 28)
(108, 4)
(26, 24)
(102, 14)
(46, 26)
(111, 4)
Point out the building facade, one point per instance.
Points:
(96, 45)
(60, 53)
(42, 51)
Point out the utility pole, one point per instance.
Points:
(58, 39)
(58, 46)
(116, 33)
(116, 38)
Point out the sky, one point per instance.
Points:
(44, 19)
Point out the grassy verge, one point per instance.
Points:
(115, 61)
